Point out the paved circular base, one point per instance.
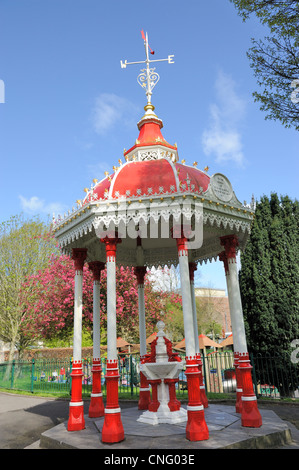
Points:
(224, 425)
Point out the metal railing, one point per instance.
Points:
(53, 376)
(273, 376)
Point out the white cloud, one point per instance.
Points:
(97, 170)
(109, 109)
(35, 205)
(223, 139)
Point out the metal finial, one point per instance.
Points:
(148, 78)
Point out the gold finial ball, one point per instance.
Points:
(95, 180)
(149, 106)
(86, 190)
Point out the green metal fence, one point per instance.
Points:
(54, 375)
(273, 376)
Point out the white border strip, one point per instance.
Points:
(112, 410)
(194, 408)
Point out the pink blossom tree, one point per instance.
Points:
(48, 297)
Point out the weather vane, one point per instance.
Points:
(148, 78)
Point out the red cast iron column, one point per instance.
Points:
(196, 429)
(96, 407)
(144, 392)
(239, 390)
(250, 415)
(76, 420)
(112, 430)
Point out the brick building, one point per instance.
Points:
(213, 306)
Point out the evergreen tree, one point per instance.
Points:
(269, 281)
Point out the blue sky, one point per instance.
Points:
(70, 109)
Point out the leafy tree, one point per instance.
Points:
(25, 248)
(275, 59)
(208, 314)
(174, 321)
(269, 279)
(49, 298)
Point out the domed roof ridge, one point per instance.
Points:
(150, 143)
(138, 179)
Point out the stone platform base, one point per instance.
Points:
(223, 422)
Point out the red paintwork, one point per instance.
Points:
(196, 429)
(143, 175)
(250, 415)
(154, 174)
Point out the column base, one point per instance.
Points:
(239, 390)
(196, 429)
(174, 405)
(76, 420)
(144, 399)
(154, 404)
(239, 400)
(96, 407)
(76, 407)
(144, 392)
(113, 430)
(250, 416)
(203, 396)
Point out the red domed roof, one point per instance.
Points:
(150, 178)
(151, 168)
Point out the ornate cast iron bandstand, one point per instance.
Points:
(154, 210)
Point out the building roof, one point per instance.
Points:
(227, 341)
(121, 343)
(204, 342)
(151, 338)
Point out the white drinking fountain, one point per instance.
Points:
(162, 368)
